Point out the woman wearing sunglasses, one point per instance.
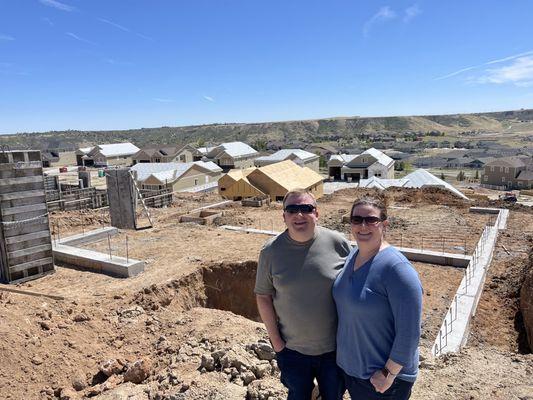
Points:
(378, 295)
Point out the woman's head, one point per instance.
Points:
(368, 221)
(377, 203)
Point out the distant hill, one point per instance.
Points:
(342, 131)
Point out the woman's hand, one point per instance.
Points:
(380, 383)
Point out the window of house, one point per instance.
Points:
(195, 181)
(507, 169)
(183, 158)
(485, 178)
(491, 169)
(501, 169)
(158, 160)
(503, 178)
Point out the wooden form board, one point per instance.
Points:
(25, 239)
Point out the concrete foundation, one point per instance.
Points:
(89, 237)
(201, 217)
(97, 262)
(65, 252)
(455, 327)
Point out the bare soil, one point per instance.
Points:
(191, 318)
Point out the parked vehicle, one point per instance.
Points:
(508, 196)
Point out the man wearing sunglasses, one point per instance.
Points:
(295, 275)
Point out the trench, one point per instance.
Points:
(223, 286)
(230, 287)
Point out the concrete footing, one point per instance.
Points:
(97, 262)
(455, 327)
(65, 252)
(89, 237)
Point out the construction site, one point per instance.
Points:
(116, 299)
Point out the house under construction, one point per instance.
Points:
(273, 181)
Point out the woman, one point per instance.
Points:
(379, 304)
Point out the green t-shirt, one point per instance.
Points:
(299, 277)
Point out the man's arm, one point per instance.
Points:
(270, 319)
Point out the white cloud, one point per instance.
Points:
(384, 14)
(519, 73)
(57, 5)
(48, 21)
(6, 37)
(411, 12)
(106, 21)
(144, 36)
(497, 61)
(160, 100)
(456, 73)
(209, 98)
(74, 36)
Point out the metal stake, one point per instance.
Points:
(109, 246)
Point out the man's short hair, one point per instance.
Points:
(299, 192)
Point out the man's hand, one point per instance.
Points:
(380, 383)
(278, 345)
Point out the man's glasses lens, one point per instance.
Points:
(358, 220)
(299, 208)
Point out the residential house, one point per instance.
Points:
(104, 155)
(508, 173)
(48, 157)
(273, 180)
(167, 154)
(177, 176)
(232, 155)
(371, 162)
(324, 150)
(301, 157)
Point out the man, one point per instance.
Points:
(295, 275)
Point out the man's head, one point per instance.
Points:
(300, 214)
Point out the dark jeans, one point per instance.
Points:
(362, 389)
(298, 371)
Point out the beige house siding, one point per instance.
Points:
(195, 176)
(237, 189)
(501, 175)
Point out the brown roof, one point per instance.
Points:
(507, 162)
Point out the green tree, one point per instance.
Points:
(477, 175)
(461, 176)
(201, 142)
(260, 145)
(442, 176)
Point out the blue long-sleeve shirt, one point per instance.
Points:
(379, 308)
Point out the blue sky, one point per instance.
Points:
(91, 64)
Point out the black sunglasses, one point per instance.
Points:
(358, 220)
(300, 208)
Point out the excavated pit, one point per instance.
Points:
(223, 286)
(230, 287)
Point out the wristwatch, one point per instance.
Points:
(386, 372)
